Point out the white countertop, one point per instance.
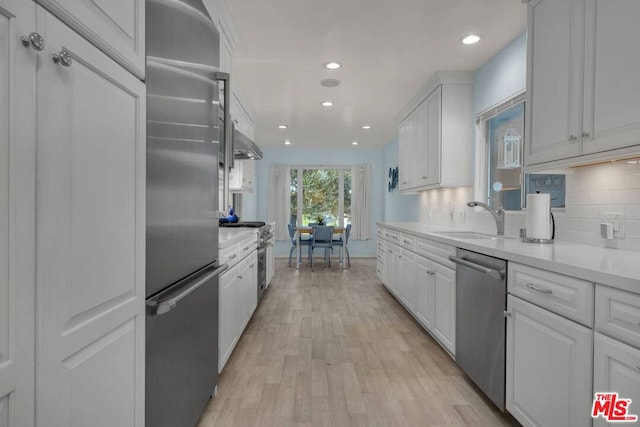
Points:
(613, 267)
(231, 235)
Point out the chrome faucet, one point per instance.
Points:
(498, 215)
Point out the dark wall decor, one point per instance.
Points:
(393, 179)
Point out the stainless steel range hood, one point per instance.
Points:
(244, 147)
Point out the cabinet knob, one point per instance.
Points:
(584, 135)
(252, 265)
(507, 313)
(34, 40)
(64, 58)
(573, 138)
(240, 276)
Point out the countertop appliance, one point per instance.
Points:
(183, 139)
(481, 299)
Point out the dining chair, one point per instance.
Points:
(294, 241)
(322, 238)
(342, 243)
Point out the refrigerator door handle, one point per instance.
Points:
(156, 308)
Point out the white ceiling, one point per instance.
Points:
(388, 50)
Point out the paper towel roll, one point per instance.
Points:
(538, 216)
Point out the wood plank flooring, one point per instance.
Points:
(334, 348)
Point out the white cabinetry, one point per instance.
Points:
(583, 95)
(548, 367)
(435, 139)
(115, 27)
(241, 176)
(17, 213)
(91, 216)
(549, 357)
(238, 294)
(418, 273)
(616, 356)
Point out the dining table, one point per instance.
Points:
(309, 230)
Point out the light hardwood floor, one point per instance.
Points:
(334, 348)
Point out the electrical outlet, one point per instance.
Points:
(617, 220)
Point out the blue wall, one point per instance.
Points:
(325, 157)
(397, 207)
(502, 76)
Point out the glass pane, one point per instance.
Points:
(294, 196)
(347, 197)
(505, 135)
(320, 196)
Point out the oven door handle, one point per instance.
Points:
(496, 274)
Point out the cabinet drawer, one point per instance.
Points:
(408, 241)
(561, 294)
(381, 233)
(435, 251)
(229, 256)
(392, 236)
(618, 314)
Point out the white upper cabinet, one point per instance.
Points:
(114, 26)
(435, 144)
(583, 95)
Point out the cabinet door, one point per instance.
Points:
(115, 26)
(427, 155)
(616, 368)
(243, 304)
(271, 267)
(444, 327)
(227, 309)
(91, 219)
(549, 367)
(554, 79)
(409, 280)
(406, 146)
(17, 213)
(426, 292)
(612, 67)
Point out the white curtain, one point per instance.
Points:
(280, 199)
(361, 202)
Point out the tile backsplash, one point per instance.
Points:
(590, 192)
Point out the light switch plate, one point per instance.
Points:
(617, 220)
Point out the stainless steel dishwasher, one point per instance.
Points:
(481, 297)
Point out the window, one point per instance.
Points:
(502, 129)
(321, 195)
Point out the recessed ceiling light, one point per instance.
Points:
(327, 103)
(330, 82)
(282, 126)
(470, 39)
(354, 143)
(366, 127)
(287, 142)
(332, 65)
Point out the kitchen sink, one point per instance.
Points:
(468, 235)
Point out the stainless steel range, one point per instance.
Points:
(265, 238)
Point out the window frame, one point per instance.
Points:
(300, 188)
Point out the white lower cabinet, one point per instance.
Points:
(425, 309)
(408, 280)
(616, 368)
(237, 301)
(549, 367)
(444, 323)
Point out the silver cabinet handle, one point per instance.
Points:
(489, 271)
(233, 256)
(34, 40)
(240, 277)
(537, 289)
(395, 237)
(64, 58)
(404, 182)
(573, 138)
(584, 135)
(507, 313)
(433, 273)
(252, 265)
(423, 177)
(407, 241)
(246, 248)
(164, 303)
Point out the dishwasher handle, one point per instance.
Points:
(496, 274)
(156, 308)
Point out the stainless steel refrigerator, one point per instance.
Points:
(185, 130)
